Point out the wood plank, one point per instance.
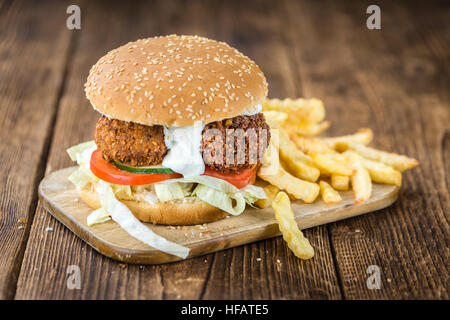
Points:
(256, 28)
(384, 79)
(60, 197)
(33, 50)
(372, 86)
(50, 253)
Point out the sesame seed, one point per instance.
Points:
(177, 61)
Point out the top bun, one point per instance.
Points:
(175, 81)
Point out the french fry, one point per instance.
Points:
(272, 172)
(363, 136)
(300, 169)
(394, 160)
(361, 182)
(340, 182)
(381, 173)
(286, 143)
(331, 163)
(299, 110)
(271, 161)
(300, 189)
(271, 192)
(311, 145)
(329, 195)
(295, 239)
(308, 129)
(275, 119)
(296, 161)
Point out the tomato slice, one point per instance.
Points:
(106, 171)
(239, 180)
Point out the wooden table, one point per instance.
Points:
(394, 80)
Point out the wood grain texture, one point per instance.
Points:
(33, 52)
(189, 279)
(393, 81)
(50, 253)
(256, 28)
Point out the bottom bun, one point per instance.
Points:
(175, 212)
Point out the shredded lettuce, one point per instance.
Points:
(122, 191)
(82, 177)
(81, 153)
(125, 218)
(211, 182)
(253, 193)
(222, 194)
(233, 203)
(150, 198)
(144, 195)
(187, 188)
(98, 216)
(168, 191)
(216, 192)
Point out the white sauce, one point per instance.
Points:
(184, 144)
(257, 110)
(125, 218)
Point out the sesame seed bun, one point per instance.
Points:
(176, 212)
(175, 81)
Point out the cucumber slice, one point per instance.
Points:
(148, 170)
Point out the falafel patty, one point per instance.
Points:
(130, 143)
(140, 145)
(237, 161)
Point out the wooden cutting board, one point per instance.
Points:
(61, 199)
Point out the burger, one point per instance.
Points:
(180, 137)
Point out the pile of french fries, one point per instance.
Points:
(300, 165)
